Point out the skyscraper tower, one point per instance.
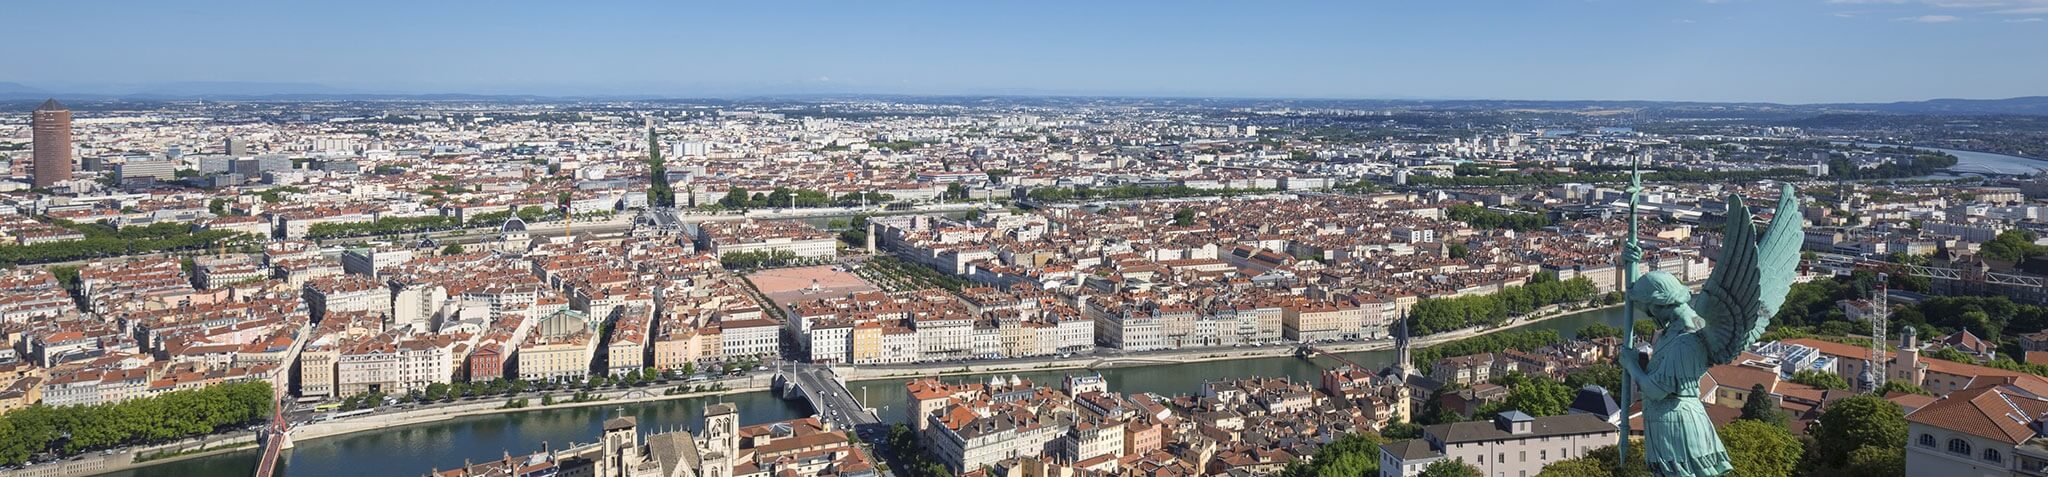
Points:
(52, 125)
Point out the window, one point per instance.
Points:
(1959, 446)
(1524, 457)
(1543, 454)
(1482, 459)
(1927, 440)
(1992, 455)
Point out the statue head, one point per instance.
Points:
(1664, 298)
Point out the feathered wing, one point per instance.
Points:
(1778, 255)
(1751, 279)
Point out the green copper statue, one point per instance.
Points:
(1699, 331)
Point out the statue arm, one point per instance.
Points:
(1652, 388)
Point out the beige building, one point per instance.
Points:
(316, 370)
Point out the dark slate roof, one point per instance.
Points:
(618, 423)
(51, 105)
(1410, 449)
(1595, 400)
(1548, 426)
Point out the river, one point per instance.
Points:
(1983, 162)
(416, 449)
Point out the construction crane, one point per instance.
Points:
(1995, 278)
(1880, 317)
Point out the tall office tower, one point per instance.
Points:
(237, 147)
(52, 125)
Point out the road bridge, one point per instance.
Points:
(827, 394)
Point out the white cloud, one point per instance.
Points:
(2024, 20)
(1929, 19)
(2009, 7)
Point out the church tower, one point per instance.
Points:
(621, 447)
(1404, 406)
(1403, 361)
(721, 439)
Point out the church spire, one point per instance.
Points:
(1402, 360)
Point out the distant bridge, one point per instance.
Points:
(826, 393)
(275, 436)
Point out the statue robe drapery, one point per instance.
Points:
(1671, 405)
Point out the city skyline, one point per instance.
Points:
(1716, 51)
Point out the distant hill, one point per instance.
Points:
(293, 91)
(2028, 105)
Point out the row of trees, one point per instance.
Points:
(741, 198)
(1481, 217)
(1555, 178)
(1917, 163)
(166, 417)
(1436, 315)
(1063, 194)
(659, 192)
(529, 213)
(758, 259)
(382, 226)
(103, 241)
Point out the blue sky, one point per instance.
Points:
(1727, 50)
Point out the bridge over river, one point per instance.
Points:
(827, 394)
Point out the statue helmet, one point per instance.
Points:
(1659, 288)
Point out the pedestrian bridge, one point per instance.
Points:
(827, 394)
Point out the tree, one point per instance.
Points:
(1820, 379)
(956, 191)
(1580, 467)
(1458, 250)
(1876, 462)
(2012, 246)
(1597, 331)
(1895, 385)
(1760, 408)
(1350, 454)
(452, 249)
(1450, 468)
(1399, 430)
(1759, 449)
(1607, 456)
(1539, 397)
(1184, 217)
(736, 198)
(1855, 423)
(1605, 375)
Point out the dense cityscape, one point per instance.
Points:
(632, 238)
(220, 281)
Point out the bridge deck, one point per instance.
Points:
(819, 386)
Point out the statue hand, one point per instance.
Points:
(1632, 253)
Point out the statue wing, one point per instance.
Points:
(1751, 279)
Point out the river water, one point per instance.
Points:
(1983, 162)
(417, 449)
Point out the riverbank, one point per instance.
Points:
(246, 441)
(1171, 357)
(440, 416)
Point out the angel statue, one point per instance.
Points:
(1699, 331)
